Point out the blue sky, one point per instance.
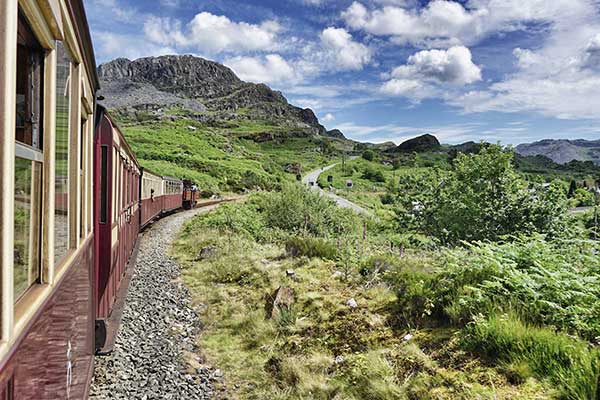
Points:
(497, 70)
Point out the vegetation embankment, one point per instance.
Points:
(501, 302)
(220, 159)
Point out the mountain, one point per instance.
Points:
(336, 133)
(420, 143)
(562, 151)
(199, 89)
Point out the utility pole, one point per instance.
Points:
(344, 162)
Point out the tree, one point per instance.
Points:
(484, 198)
(368, 155)
(583, 198)
(572, 188)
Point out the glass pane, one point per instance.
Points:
(27, 223)
(61, 184)
(29, 87)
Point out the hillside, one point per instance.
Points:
(190, 117)
(562, 151)
(199, 89)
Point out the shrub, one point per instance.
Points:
(583, 198)
(297, 246)
(553, 284)
(483, 198)
(571, 366)
(368, 155)
(374, 175)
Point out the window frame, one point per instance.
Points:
(33, 152)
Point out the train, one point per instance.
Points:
(73, 202)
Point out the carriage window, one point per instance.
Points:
(28, 179)
(61, 184)
(82, 183)
(28, 161)
(29, 87)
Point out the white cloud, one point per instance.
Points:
(591, 58)
(343, 51)
(444, 22)
(213, 34)
(110, 45)
(560, 78)
(328, 117)
(271, 68)
(445, 66)
(455, 133)
(427, 70)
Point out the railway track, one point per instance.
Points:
(155, 353)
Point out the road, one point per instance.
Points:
(313, 176)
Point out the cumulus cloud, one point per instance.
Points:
(328, 117)
(426, 70)
(454, 65)
(343, 50)
(591, 57)
(213, 34)
(271, 68)
(560, 79)
(112, 45)
(444, 22)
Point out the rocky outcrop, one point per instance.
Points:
(562, 151)
(424, 142)
(335, 133)
(208, 91)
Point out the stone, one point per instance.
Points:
(281, 299)
(407, 337)
(206, 252)
(352, 303)
(155, 345)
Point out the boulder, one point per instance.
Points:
(280, 299)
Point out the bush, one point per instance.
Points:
(552, 284)
(571, 366)
(483, 198)
(374, 175)
(368, 155)
(583, 198)
(297, 246)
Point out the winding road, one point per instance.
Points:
(311, 179)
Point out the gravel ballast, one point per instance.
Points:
(155, 354)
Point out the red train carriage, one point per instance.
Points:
(48, 80)
(151, 197)
(117, 222)
(190, 194)
(173, 194)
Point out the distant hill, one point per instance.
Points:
(199, 89)
(562, 151)
(424, 142)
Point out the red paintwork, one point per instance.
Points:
(172, 202)
(151, 209)
(38, 361)
(61, 202)
(111, 261)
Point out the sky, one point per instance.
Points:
(509, 71)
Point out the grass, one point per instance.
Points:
(223, 158)
(569, 364)
(321, 348)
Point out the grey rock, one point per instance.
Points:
(158, 326)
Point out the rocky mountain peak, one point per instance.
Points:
(153, 84)
(420, 143)
(562, 151)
